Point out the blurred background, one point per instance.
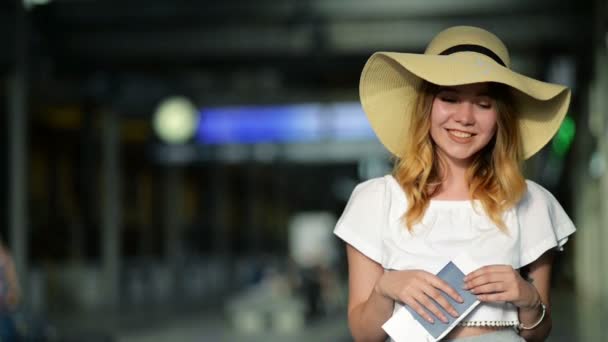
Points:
(172, 170)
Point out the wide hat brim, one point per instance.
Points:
(390, 82)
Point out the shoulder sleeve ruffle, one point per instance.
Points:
(543, 223)
(360, 225)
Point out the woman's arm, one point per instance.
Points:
(540, 276)
(498, 283)
(367, 308)
(373, 292)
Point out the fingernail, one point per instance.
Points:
(460, 299)
(454, 313)
(430, 320)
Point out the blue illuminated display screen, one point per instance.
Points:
(283, 124)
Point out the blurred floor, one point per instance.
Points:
(194, 326)
(213, 326)
(209, 327)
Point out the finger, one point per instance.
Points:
(492, 277)
(412, 303)
(445, 287)
(428, 304)
(485, 269)
(489, 288)
(439, 297)
(494, 297)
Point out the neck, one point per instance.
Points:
(454, 185)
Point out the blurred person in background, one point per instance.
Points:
(460, 123)
(9, 295)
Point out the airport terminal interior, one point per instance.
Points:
(172, 170)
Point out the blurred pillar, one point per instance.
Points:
(86, 171)
(281, 209)
(218, 205)
(591, 207)
(17, 132)
(602, 150)
(111, 210)
(253, 228)
(172, 214)
(602, 90)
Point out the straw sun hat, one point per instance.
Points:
(458, 55)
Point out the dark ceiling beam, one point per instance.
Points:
(333, 38)
(97, 12)
(200, 43)
(435, 8)
(90, 11)
(532, 32)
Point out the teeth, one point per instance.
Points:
(461, 134)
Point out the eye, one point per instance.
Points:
(485, 103)
(449, 99)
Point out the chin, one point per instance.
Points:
(460, 156)
(462, 159)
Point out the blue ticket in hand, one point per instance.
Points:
(452, 275)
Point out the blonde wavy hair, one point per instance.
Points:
(494, 177)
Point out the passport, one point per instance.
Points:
(454, 276)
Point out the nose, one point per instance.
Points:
(464, 113)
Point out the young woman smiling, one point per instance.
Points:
(459, 123)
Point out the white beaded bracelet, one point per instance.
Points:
(488, 324)
(542, 316)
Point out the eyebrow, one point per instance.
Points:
(452, 89)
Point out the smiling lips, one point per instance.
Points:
(460, 134)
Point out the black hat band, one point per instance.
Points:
(474, 48)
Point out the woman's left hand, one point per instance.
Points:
(495, 283)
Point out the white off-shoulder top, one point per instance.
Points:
(372, 223)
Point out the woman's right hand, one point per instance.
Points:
(416, 288)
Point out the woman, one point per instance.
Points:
(459, 123)
(9, 295)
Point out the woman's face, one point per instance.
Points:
(463, 121)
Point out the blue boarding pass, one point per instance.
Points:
(452, 275)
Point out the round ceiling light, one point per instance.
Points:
(175, 120)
